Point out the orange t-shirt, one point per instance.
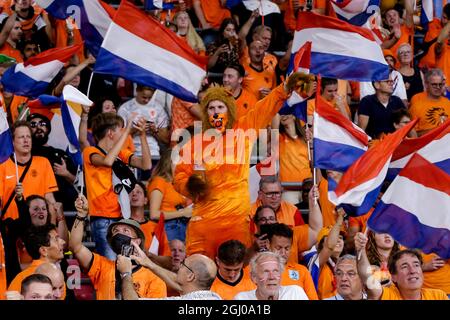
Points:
(61, 37)
(39, 180)
(2, 270)
(392, 293)
(294, 163)
(244, 102)
(299, 242)
(287, 213)
(102, 200)
(360, 221)
(256, 80)
(227, 290)
(296, 274)
(148, 228)
(214, 12)
(16, 284)
(443, 61)
(171, 198)
(103, 276)
(431, 112)
(15, 105)
(8, 50)
(434, 29)
(437, 279)
(326, 286)
(269, 61)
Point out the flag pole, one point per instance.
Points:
(365, 234)
(89, 85)
(80, 172)
(17, 168)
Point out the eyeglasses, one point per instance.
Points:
(437, 85)
(350, 274)
(184, 265)
(265, 220)
(35, 124)
(273, 194)
(403, 52)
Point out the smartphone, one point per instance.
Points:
(127, 250)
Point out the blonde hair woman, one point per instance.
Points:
(186, 30)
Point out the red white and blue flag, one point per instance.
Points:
(157, 246)
(360, 185)
(92, 17)
(138, 48)
(339, 49)
(414, 210)
(31, 78)
(6, 143)
(158, 5)
(355, 12)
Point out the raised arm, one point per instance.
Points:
(315, 216)
(69, 76)
(373, 287)
(332, 239)
(156, 197)
(83, 254)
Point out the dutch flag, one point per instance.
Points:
(6, 143)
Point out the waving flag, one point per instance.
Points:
(93, 17)
(137, 47)
(433, 146)
(264, 7)
(157, 4)
(338, 142)
(6, 143)
(31, 78)
(340, 50)
(355, 12)
(427, 13)
(415, 208)
(159, 239)
(358, 188)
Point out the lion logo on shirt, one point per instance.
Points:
(294, 275)
(436, 115)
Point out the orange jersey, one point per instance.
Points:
(148, 228)
(443, 61)
(61, 36)
(39, 180)
(244, 102)
(227, 290)
(255, 80)
(2, 270)
(431, 112)
(392, 293)
(299, 243)
(102, 200)
(9, 51)
(171, 198)
(103, 276)
(296, 274)
(287, 213)
(326, 286)
(16, 106)
(434, 29)
(214, 12)
(269, 61)
(437, 279)
(226, 206)
(294, 162)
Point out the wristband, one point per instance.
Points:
(124, 274)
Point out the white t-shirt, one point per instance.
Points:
(293, 292)
(366, 88)
(152, 111)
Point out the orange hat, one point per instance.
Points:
(324, 232)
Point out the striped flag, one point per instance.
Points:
(6, 142)
(158, 242)
(158, 5)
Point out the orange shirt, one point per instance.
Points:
(290, 20)
(102, 200)
(171, 198)
(326, 286)
(431, 112)
(299, 242)
(227, 290)
(392, 293)
(406, 37)
(148, 228)
(443, 61)
(287, 213)
(259, 79)
(294, 163)
(360, 221)
(2, 270)
(269, 61)
(8, 50)
(329, 218)
(15, 105)
(61, 36)
(434, 29)
(103, 276)
(39, 180)
(16, 284)
(437, 279)
(296, 274)
(214, 12)
(245, 101)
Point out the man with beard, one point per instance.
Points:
(63, 166)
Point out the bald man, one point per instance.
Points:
(56, 276)
(193, 279)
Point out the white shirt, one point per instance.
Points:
(366, 88)
(293, 292)
(339, 297)
(152, 111)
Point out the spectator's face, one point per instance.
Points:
(39, 128)
(267, 276)
(57, 279)
(392, 17)
(434, 85)
(182, 20)
(330, 92)
(229, 31)
(16, 31)
(38, 212)
(22, 140)
(266, 216)
(384, 241)
(39, 291)
(270, 195)
(265, 37)
(229, 272)
(231, 79)
(55, 251)
(143, 96)
(405, 54)
(256, 52)
(386, 86)
(390, 61)
(108, 106)
(23, 4)
(409, 274)
(216, 107)
(30, 50)
(137, 197)
(287, 120)
(178, 252)
(403, 122)
(76, 80)
(347, 280)
(281, 246)
(444, 19)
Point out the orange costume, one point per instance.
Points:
(224, 212)
(392, 293)
(431, 112)
(148, 228)
(102, 200)
(39, 180)
(103, 276)
(296, 274)
(437, 279)
(227, 290)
